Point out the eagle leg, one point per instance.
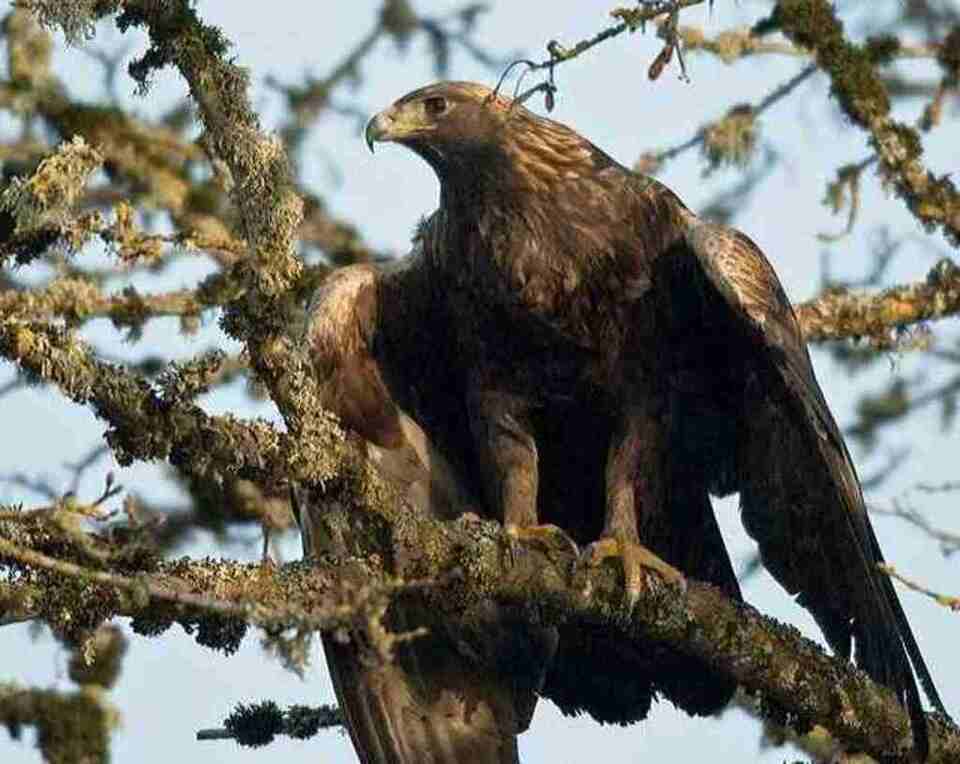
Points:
(507, 454)
(508, 460)
(634, 486)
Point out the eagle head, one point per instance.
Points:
(461, 129)
(475, 139)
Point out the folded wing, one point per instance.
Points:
(465, 691)
(800, 495)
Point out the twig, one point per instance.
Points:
(941, 599)
(632, 19)
(949, 542)
(215, 733)
(948, 486)
(776, 95)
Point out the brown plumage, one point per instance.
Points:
(608, 360)
(463, 693)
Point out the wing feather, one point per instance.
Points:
(800, 495)
(454, 696)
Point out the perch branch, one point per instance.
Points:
(467, 560)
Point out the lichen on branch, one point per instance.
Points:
(841, 314)
(146, 426)
(466, 561)
(864, 99)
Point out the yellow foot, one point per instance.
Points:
(546, 538)
(635, 558)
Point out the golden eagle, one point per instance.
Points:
(608, 360)
(570, 345)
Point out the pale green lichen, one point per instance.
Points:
(74, 17)
(731, 141)
(29, 50)
(71, 728)
(48, 196)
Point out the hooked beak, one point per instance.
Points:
(379, 129)
(396, 124)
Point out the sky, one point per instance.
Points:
(170, 687)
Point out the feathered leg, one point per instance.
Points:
(635, 486)
(507, 453)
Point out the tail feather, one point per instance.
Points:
(409, 712)
(816, 539)
(459, 695)
(906, 634)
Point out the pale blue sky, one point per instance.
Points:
(170, 687)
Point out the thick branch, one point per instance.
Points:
(790, 672)
(147, 426)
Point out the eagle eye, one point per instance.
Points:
(435, 106)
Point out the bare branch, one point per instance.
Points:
(949, 542)
(631, 19)
(744, 115)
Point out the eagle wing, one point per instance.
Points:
(800, 496)
(340, 335)
(446, 697)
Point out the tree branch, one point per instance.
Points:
(863, 97)
(734, 44)
(469, 560)
(147, 426)
(843, 314)
(946, 600)
(631, 20)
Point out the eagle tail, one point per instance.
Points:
(460, 694)
(906, 634)
(819, 544)
(421, 707)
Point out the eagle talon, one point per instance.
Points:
(635, 559)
